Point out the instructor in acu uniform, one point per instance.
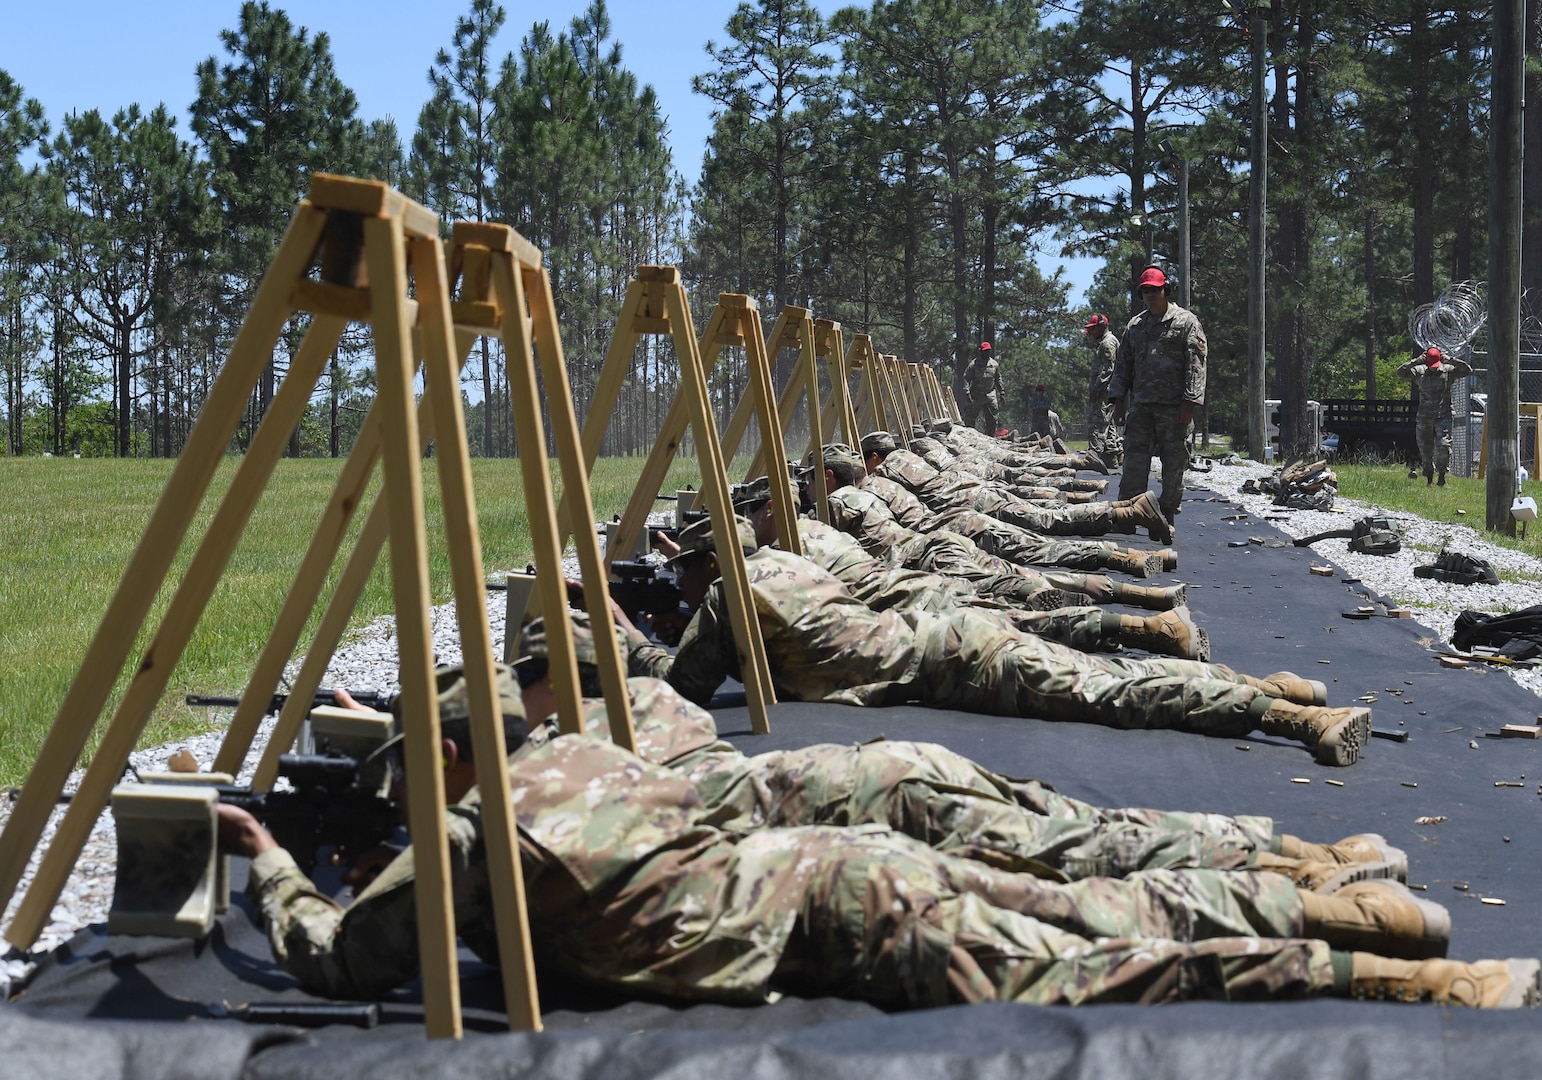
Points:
(982, 390)
(1159, 379)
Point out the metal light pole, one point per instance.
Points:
(1258, 191)
(1185, 290)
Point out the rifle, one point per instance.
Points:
(370, 699)
(334, 801)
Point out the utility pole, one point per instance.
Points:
(1502, 420)
(1258, 198)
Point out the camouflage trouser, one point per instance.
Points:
(1435, 445)
(1087, 519)
(954, 555)
(947, 801)
(987, 415)
(1102, 434)
(968, 663)
(1148, 430)
(889, 920)
(1023, 547)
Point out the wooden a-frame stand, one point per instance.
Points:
(367, 237)
(656, 304)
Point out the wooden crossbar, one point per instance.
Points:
(363, 231)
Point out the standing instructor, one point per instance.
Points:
(1159, 378)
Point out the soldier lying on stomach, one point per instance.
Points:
(823, 644)
(632, 885)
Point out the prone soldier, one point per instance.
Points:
(822, 644)
(657, 899)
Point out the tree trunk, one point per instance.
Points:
(1531, 168)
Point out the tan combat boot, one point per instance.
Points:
(1291, 687)
(1172, 633)
(1335, 734)
(1078, 498)
(1078, 484)
(1091, 459)
(1321, 877)
(1054, 600)
(1134, 563)
(1380, 917)
(1364, 849)
(1150, 597)
(1143, 512)
(1483, 984)
(1169, 560)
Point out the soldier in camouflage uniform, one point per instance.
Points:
(970, 444)
(1159, 379)
(822, 644)
(631, 886)
(1034, 484)
(1433, 372)
(942, 493)
(932, 794)
(873, 513)
(1103, 436)
(982, 390)
(885, 588)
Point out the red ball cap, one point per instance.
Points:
(1153, 276)
(1432, 355)
(985, 346)
(1096, 320)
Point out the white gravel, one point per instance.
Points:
(1435, 604)
(367, 660)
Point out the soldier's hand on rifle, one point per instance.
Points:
(665, 546)
(345, 700)
(361, 872)
(242, 834)
(620, 618)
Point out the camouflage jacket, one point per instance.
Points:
(866, 518)
(1434, 386)
(1161, 360)
(1102, 373)
(982, 379)
(877, 584)
(822, 643)
(908, 510)
(624, 878)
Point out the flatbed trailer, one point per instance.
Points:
(1375, 429)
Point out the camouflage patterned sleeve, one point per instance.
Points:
(371, 948)
(1124, 367)
(707, 655)
(645, 658)
(1407, 368)
(1197, 349)
(362, 953)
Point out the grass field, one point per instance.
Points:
(68, 528)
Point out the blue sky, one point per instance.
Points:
(107, 55)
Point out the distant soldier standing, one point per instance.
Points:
(1433, 373)
(1102, 436)
(982, 390)
(1159, 378)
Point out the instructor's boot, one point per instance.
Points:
(1321, 877)
(1290, 687)
(1335, 734)
(1150, 597)
(1482, 984)
(1364, 849)
(1380, 917)
(1441, 480)
(1142, 512)
(1172, 633)
(1135, 563)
